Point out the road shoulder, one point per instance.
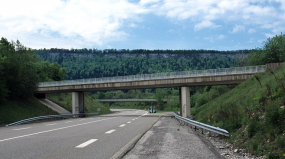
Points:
(168, 139)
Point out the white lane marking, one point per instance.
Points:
(68, 121)
(81, 119)
(136, 118)
(86, 143)
(109, 132)
(133, 119)
(144, 114)
(122, 125)
(51, 124)
(129, 122)
(22, 128)
(41, 132)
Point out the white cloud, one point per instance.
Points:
(237, 28)
(205, 24)
(213, 39)
(221, 37)
(59, 23)
(93, 22)
(251, 31)
(133, 25)
(145, 2)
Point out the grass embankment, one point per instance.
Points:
(253, 112)
(12, 111)
(65, 100)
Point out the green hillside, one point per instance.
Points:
(65, 100)
(12, 111)
(253, 112)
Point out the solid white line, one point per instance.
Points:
(86, 143)
(23, 128)
(51, 124)
(68, 121)
(41, 132)
(129, 122)
(122, 125)
(109, 132)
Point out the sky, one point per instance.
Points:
(142, 24)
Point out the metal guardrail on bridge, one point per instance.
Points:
(202, 125)
(164, 75)
(51, 117)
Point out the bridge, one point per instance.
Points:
(183, 79)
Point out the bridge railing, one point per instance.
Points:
(163, 75)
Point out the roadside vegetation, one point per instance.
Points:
(65, 101)
(253, 112)
(20, 73)
(12, 111)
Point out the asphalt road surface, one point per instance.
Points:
(99, 137)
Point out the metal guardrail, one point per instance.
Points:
(164, 75)
(52, 117)
(202, 125)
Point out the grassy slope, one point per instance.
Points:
(12, 111)
(65, 100)
(252, 112)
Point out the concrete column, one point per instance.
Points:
(78, 104)
(180, 102)
(185, 102)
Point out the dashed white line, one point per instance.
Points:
(133, 119)
(41, 132)
(51, 124)
(68, 122)
(129, 122)
(109, 132)
(22, 128)
(86, 143)
(122, 125)
(81, 119)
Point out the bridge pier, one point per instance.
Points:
(184, 98)
(78, 105)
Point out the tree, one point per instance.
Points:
(159, 95)
(19, 69)
(21, 72)
(273, 51)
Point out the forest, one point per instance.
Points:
(80, 67)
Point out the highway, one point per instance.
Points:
(99, 137)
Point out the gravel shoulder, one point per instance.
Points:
(168, 139)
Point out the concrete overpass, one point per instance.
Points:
(184, 80)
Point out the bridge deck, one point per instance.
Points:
(158, 80)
